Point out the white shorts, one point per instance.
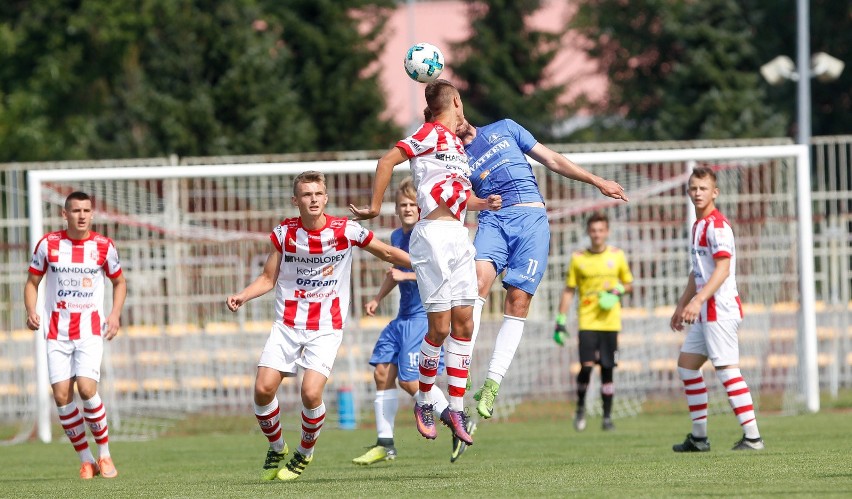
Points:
(69, 358)
(287, 347)
(715, 340)
(443, 260)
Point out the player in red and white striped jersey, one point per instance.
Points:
(309, 267)
(76, 262)
(441, 252)
(711, 304)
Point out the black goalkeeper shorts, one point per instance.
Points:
(600, 347)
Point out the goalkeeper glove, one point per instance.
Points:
(560, 333)
(608, 299)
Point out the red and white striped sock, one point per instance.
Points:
(95, 414)
(312, 421)
(457, 360)
(269, 418)
(75, 428)
(740, 398)
(696, 397)
(430, 355)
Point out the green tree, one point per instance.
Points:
(503, 65)
(678, 70)
(99, 79)
(202, 78)
(336, 44)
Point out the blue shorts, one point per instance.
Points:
(399, 343)
(515, 239)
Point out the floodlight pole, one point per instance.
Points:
(807, 344)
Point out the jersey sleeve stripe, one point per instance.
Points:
(406, 148)
(366, 241)
(275, 242)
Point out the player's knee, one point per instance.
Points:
(606, 375)
(380, 376)
(584, 375)
(264, 393)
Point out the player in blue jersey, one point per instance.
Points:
(396, 353)
(516, 239)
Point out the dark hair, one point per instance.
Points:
(439, 96)
(77, 196)
(597, 216)
(703, 171)
(427, 115)
(308, 177)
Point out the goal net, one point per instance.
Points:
(189, 236)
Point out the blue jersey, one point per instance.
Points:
(409, 296)
(498, 164)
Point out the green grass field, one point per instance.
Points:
(808, 455)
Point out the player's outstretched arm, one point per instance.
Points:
(260, 286)
(387, 285)
(388, 253)
(31, 300)
(119, 294)
(384, 172)
(493, 202)
(558, 163)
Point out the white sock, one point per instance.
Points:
(439, 400)
(385, 405)
(507, 343)
(478, 305)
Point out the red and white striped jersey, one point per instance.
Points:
(74, 287)
(312, 291)
(439, 169)
(712, 238)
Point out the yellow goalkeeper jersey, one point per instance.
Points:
(590, 273)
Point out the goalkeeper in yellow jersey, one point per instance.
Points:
(600, 276)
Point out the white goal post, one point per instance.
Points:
(796, 155)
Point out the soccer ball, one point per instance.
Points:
(424, 62)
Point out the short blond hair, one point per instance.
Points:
(406, 189)
(308, 177)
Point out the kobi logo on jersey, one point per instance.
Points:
(68, 282)
(336, 224)
(494, 138)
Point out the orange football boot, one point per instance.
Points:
(107, 468)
